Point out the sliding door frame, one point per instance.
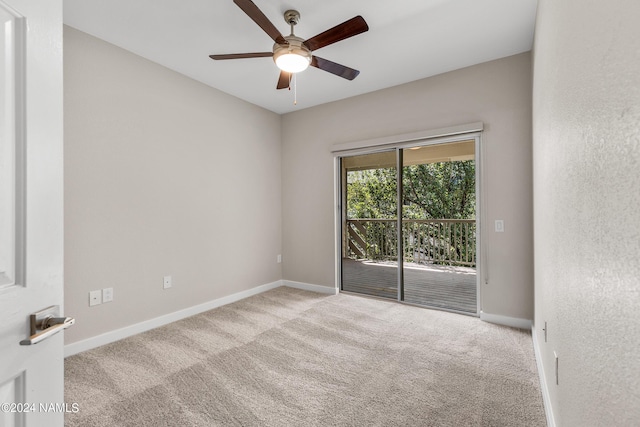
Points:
(400, 249)
(340, 205)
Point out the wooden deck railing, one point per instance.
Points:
(425, 241)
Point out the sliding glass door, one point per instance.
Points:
(425, 252)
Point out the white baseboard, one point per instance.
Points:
(118, 334)
(310, 287)
(546, 398)
(514, 322)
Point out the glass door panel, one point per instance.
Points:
(369, 224)
(439, 226)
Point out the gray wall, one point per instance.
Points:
(586, 150)
(497, 93)
(163, 176)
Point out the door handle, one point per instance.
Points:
(44, 324)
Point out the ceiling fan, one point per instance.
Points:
(292, 54)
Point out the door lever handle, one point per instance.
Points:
(64, 323)
(44, 324)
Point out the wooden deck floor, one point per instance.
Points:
(453, 288)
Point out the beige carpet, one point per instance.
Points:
(295, 358)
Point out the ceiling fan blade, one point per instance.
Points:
(259, 18)
(350, 28)
(334, 68)
(242, 55)
(284, 80)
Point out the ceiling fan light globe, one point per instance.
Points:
(292, 62)
(293, 56)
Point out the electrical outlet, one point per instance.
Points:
(95, 298)
(107, 295)
(166, 282)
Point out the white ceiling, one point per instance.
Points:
(407, 40)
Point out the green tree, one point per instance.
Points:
(433, 191)
(443, 190)
(371, 193)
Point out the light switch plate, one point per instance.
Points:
(499, 226)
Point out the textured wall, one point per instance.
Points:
(587, 208)
(497, 93)
(163, 176)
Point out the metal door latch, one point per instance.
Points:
(45, 323)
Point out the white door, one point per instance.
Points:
(31, 210)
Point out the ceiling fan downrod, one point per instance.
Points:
(292, 17)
